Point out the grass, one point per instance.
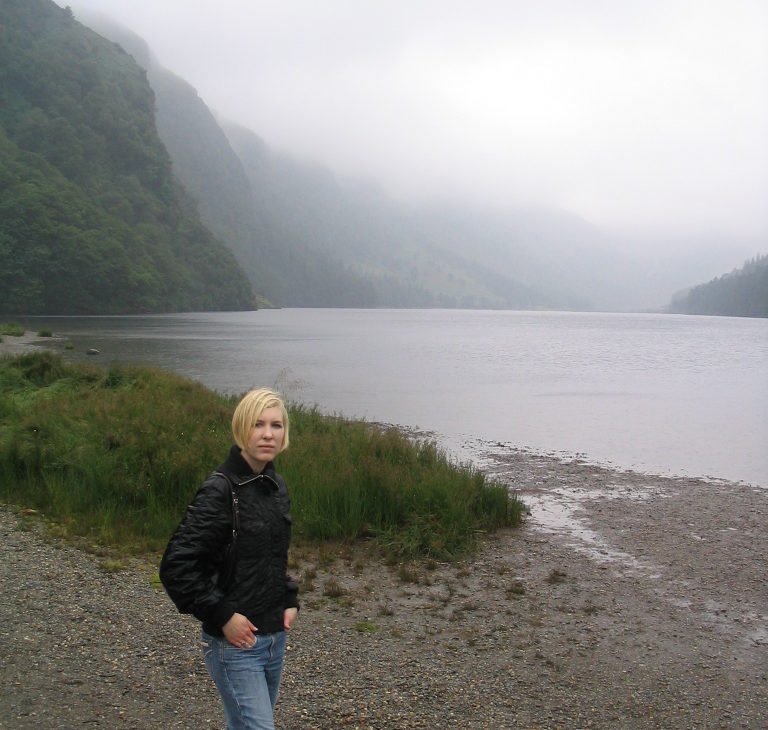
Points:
(556, 576)
(516, 588)
(307, 584)
(112, 565)
(12, 329)
(333, 589)
(352, 481)
(115, 455)
(366, 627)
(407, 574)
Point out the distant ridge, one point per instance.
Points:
(741, 293)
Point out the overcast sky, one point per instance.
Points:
(647, 115)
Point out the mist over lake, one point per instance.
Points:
(665, 394)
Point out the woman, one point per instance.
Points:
(226, 564)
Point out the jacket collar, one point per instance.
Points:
(238, 469)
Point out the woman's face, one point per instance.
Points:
(266, 439)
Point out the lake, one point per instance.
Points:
(668, 394)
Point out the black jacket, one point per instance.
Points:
(260, 587)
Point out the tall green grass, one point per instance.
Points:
(351, 480)
(12, 329)
(116, 454)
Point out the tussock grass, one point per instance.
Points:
(556, 576)
(366, 627)
(116, 454)
(333, 589)
(350, 480)
(516, 588)
(12, 329)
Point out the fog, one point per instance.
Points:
(646, 118)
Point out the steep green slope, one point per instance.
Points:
(285, 270)
(307, 238)
(91, 219)
(304, 238)
(742, 293)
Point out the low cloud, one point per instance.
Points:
(638, 116)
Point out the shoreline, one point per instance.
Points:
(488, 454)
(11, 346)
(473, 450)
(626, 599)
(646, 608)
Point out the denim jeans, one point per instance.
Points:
(247, 679)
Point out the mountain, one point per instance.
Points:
(286, 271)
(306, 237)
(742, 293)
(413, 256)
(92, 220)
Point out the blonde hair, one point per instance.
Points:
(248, 410)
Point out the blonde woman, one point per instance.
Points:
(226, 564)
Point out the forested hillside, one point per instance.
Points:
(308, 239)
(742, 293)
(91, 218)
(285, 270)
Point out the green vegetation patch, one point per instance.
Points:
(742, 293)
(116, 454)
(12, 329)
(350, 480)
(92, 219)
(366, 627)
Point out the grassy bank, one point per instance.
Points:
(10, 329)
(116, 454)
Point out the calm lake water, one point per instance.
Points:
(659, 393)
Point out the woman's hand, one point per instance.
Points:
(239, 631)
(289, 616)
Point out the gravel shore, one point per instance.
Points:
(625, 601)
(19, 345)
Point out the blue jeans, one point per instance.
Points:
(247, 679)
